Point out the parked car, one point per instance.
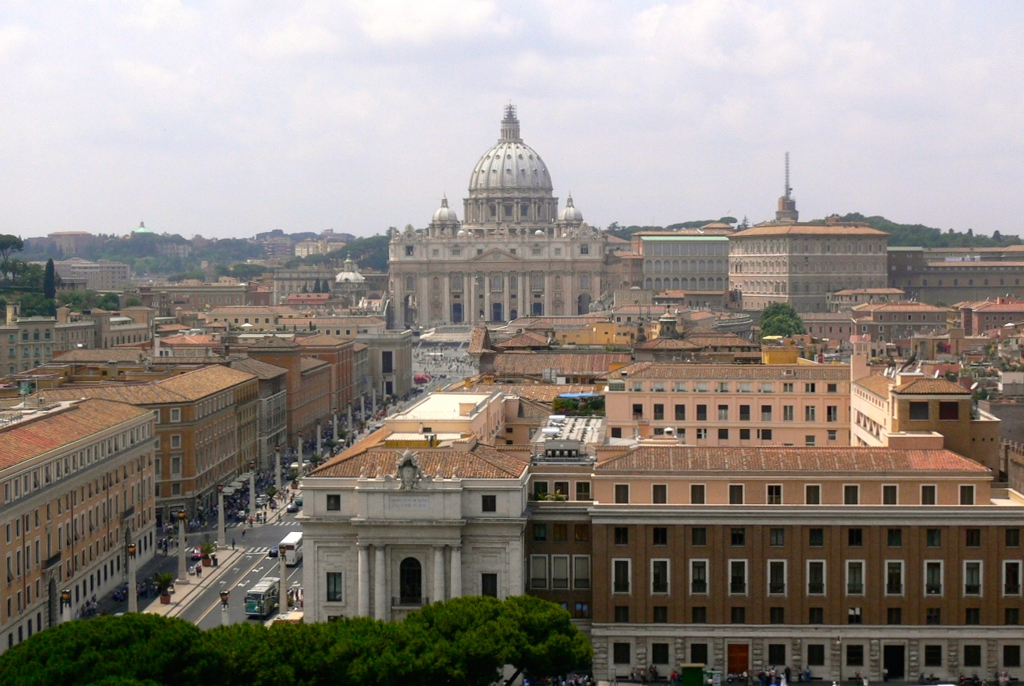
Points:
(298, 500)
(274, 551)
(293, 507)
(197, 553)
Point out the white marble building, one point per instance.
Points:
(387, 531)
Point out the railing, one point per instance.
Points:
(972, 589)
(409, 601)
(894, 589)
(1011, 589)
(737, 587)
(776, 588)
(559, 583)
(933, 589)
(538, 583)
(620, 587)
(581, 584)
(816, 587)
(659, 587)
(855, 589)
(699, 587)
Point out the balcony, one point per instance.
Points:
(816, 587)
(620, 587)
(972, 589)
(1011, 589)
(854, 588)
(659, 587)
(559, 583)
(737, 587)
(699, 587)
(409, 601)
(776, 588)
(581, 584)
(894, 589)
(933, 589)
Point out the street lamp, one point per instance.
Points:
(839, 649)
(133, 596)
(221, 535)
(224, 619)
(65, 604)
(252, 488)
(182, 567)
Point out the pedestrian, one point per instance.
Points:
(199, 571)
(232, 542)
(243, 534)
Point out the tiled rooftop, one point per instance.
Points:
(930, 387)
(738, 372)
(534, 363)
(187, 387)
(482, 462)
(841, 230)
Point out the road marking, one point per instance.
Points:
(240, 583)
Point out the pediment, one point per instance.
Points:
(496, 255)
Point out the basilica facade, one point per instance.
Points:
(515, 254)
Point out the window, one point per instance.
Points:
(738, 615)
(660, 535)
(919, 411)
(538, 571)
(933, 577)
(777, 653)
(699, 653)
(333, 501)
(949, 411)
(659, 494)
(620, 653)
(854, 577)
(621, 493)
(699, 536)
(489, 585)
(1013, 538)
(175, 441)
(661, 614)
(933, 656)
(815, 577)
(744, 413)
(175, 414)
(812, 494)
(702, 413)
(1012, 616)
(851, 494)
(809, 441)
(889, 494)
(581, 572)
(855, 537)
(972, 578)
(659, 411)
(334, 587)
(832, 388)
(894, 577)
(697, 494)
(972, 616)
(854, 616)
(966, 495)
(973, 538)
(698, 576)
(787, 413)
(933, 538)
(559, 571)
(894, 615)
(699, 615)
(816, 655)
(489, 503)
(659, 576)
(776, 577)
(723, 413)
(777, 536)
(702, 434)
(560, 532)
(927, 495)
(621, 576)
(1011, 656)
(972, 656)
(816, 615)
(816, 537)
(833, 435)
(810, 388)
(1011, 578)
(583, 490)
(766, 413)
(621, 535)
(774, 494)
(810, 413)
(854, 655)
(581, 532)
(680, 413)
(776, 615)
(723, 434)
(540, 532)
(738, 536)
(832, 413)
(735, 494)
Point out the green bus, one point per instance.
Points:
(263, 598)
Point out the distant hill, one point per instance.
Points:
(919, 235)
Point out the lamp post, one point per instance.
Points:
(299, 442)
(252, 489)
(839, 650)
(182, 565)
(334, 426)
(319, 441)
(277, 468)
(65, 605)
(133, 596)
(221, 534)
(224, 619)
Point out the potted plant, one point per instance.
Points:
(208, 548)
(164, 581)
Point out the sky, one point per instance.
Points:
(227, 118)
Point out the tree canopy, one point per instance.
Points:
(466, 641)
(919, 235)
(780, 319)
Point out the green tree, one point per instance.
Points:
(37, 305)
(780, 319)
(133, 301)
(9, 245)
(108, 301)
(50, 280)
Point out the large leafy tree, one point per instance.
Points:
(780, 319)
(9, 245)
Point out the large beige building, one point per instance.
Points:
(514, 254)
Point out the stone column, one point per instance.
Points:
(282, 573)
(379, 584)
(438, 574)
(298, 445)
(373, 400)
(363, 608)
(221, 534)
(334, 426)
(277, 468)
(133, 597)
(319, 440)
(456, 578)
(182, 565)
(252, 492)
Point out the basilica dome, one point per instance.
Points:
(510, 164)
(569, 213)
(445, 214)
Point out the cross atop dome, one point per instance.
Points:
(510, 124)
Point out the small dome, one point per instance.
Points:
(462, 232)
(569, 213)
(539, 232)
(142, 228)
(444, 214)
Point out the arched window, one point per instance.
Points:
(410, 283)
(410, 582)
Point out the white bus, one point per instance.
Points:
(291, 548)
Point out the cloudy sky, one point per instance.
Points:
(226, 118)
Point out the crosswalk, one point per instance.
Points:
(257, 550)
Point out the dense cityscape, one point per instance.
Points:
(511, 440)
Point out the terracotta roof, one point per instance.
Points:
(545, 393)
(803, 460)
(257, 368)
(534, 363)
(188, 387)
(527, 339)
(188, 340)
(100, 355)
(728, 372)
(986, 307)
(930, 387)
(321, 339)
(898, 306)
(666, 344)
(482, 462)
(721, 340)
(253, 309)
(870, 291)
(841, 230)
(877, 384)
(271, 342)
(307, 364)
(24, 440)
(479, 341)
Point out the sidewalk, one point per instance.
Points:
(183, 594)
